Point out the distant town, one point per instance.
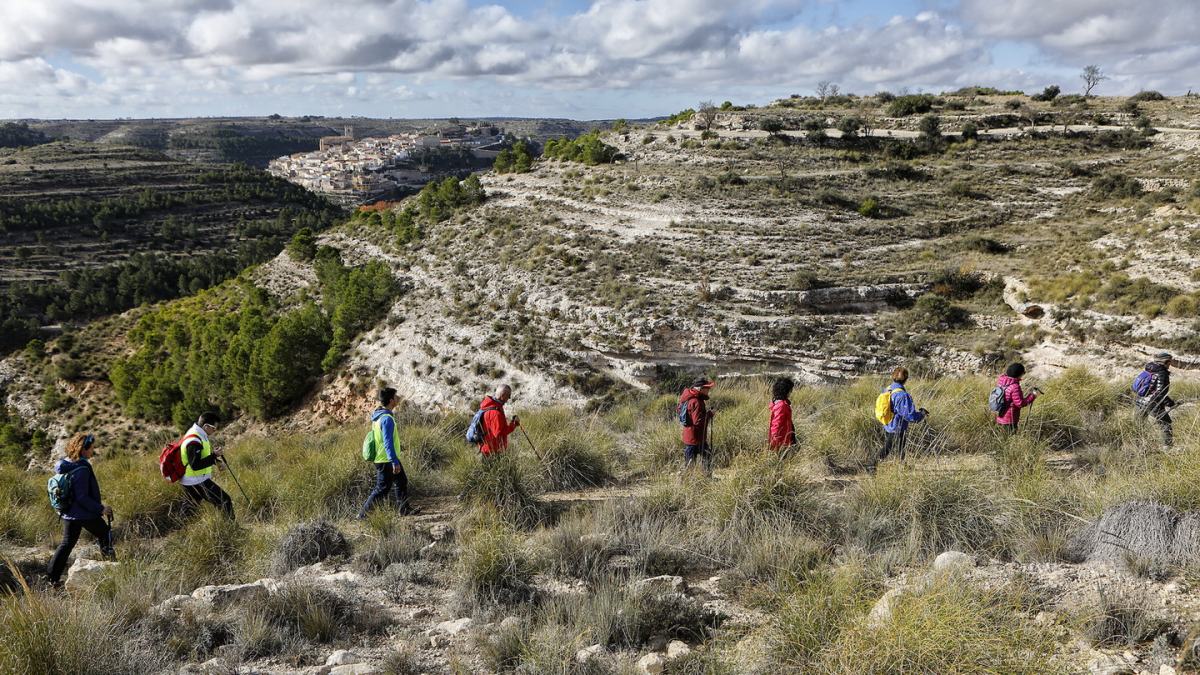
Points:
(352, 171)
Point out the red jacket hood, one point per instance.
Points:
(690, 393)
(489, 402)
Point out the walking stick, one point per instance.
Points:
(235, 479)
(530, 442)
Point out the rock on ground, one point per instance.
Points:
(342, 657)
(223, 596)
(588, 653)
(651, 664)
(662, 584)
(87, 572)
(677, 649)
(952, 561)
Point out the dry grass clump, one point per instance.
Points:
(949, 628)
(917, 515)
(210, 550)
(571, 452)
(501, 482)
(58, 634)
(1120, 619)
(308, 543)
(495, 566)
(397, 543)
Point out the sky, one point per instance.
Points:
(582, 59)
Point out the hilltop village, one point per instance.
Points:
(353, 171)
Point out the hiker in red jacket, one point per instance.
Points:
(1014, 398)
(497, 427)
(782, 433)
(695, 418)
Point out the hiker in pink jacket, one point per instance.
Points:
(1015, 399)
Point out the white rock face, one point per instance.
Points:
(210, 667)
(342, 657)
(651, 664)
(342, 577)
(223, 596)
(953, 561)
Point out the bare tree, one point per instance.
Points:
(707, 112)
(825, 89)
(1091, 77)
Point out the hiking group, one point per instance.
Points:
(75, 493)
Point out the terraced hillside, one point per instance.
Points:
(86, 230)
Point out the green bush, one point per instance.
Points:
(1115, 185)
(494, 566)
(587, 149)
(914, 104)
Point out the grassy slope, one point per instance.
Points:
(811, 551)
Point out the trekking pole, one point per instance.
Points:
(530, 442)
(235, 479)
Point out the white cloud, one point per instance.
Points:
(175, 53)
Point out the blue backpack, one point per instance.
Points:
(684, 418)
(60, 492)
(475, 428)
(1141, 383)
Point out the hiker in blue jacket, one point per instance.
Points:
(389, 473)
(904, 412)
(86, 510)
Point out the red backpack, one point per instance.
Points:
(170, 461)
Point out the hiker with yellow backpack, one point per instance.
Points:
(381, 447)
(895, 410)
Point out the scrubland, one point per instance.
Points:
(781, 560)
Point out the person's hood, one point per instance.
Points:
(1156, 367)
(379, 412)
(490, 402)
(1006, 381)
(691, 393)
(65, 465)
(894, 386)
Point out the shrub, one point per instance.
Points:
(501, 482)
(571, 453)
(869, 208)
(210, 550)
(308, 543)
(1120, 619)
(919, 516)
(1149, 95)
(969, 131)
(397, 545)
(934, 312)
(815, 615)
(318, 614)
(914, 104)
(1048, 94)
(494, 565)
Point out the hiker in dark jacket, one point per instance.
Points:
(782, 433)
(904, 412)
(696, 418)
(86, 512)
(389, 473)
(1156, 403)
(1016, 399)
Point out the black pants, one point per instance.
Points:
(893, 440)
(1162, 418)
(703, 453)
(388, 483)
(210, 492)
(71, 530)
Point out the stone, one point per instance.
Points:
(677, 649)
(221, 597)
(271, 585)
(420, 613)
(441, 531)
(455, 627)
(588, 653)
(953, 561)
(355, 669)
(1109, 664)
(342, 657)
(1165, 669)
(178, 603)
(510, 623)
(651, 664)
(438, 641)
(881, 613)
(86, 572)
(346, 577)
(662, 584)
(209, 667)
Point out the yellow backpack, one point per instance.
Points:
(883, 406)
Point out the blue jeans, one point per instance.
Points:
(388, 482)
(693, 452)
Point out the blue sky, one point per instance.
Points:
(563, 58)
